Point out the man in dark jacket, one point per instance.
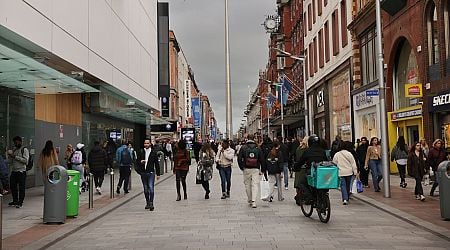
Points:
(361, 152)
(147, 167)
(285, 163)
(97, 160)
(314, 153)
(250, 159)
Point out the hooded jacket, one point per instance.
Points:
(97, 159)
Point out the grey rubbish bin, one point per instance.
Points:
(162, 162)
(444, 188)
(55, 191)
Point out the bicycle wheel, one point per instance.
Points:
(307, 210)
(324, 208)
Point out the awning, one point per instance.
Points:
(288, 120)
(23, 73)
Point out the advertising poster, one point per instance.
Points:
(188, 135)
(196, 112)
(447, 136)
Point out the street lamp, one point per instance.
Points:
(305, 97)
(229, 125)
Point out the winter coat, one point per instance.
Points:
(346, 163)
(243, 155)
(398, 154)
(182, 160)
(314, 153)
(225, 158)
(150, 165)
(416, 165)
(361, 152)
(3, 166)
(273, 164)
(205, 167)
(97, 159)
(435, 157)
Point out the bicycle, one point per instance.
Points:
(322, 177)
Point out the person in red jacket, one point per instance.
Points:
(182, 161)
(435, 157)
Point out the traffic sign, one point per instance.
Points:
(372, 92)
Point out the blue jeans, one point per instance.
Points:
(346, 184)
(225, 178)
(377, 176)
(285, 173)
(148, 181)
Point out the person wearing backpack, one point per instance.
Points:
(182, 161)
(399, 154)
(250, 160)
(18, 159)
(224, 161)
(124, 159)
(78, 159)
(274, 168)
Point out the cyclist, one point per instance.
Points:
(314, 153)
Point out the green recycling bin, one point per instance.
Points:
(73, 193)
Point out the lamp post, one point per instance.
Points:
(305, 96)
(227, 70)
(382, 91)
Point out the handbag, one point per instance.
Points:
(264, 188)
(198, 176)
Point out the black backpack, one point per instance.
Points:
(125, 158)
(30, 162)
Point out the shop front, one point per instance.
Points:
(366, 113)
(406, 122)
(439, 107)
(340, 115)
(320, 115)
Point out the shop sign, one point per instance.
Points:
(320, 99)
(372, 92)
(413, 90)
(362, 101)
(406, 114)
(440, 102)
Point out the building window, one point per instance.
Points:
(306, 65)
(304, 24)
(327, 42)
(319, 7)
(447, 29)
(335, 32)
(368, 52)
(344, 23)
(311, 60)
(314, 10)
(321, 49)
(315, 54)
(309, 17)
(406, 71)
(433, 34)
(325, 2)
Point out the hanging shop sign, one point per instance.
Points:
(413, 90)
(403, 115)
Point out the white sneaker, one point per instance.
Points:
(99, 191)
(253, 204)
(286, 188)
(345, 202)
(422, 198)
(417, 197)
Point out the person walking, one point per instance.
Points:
(300, 173)
(274, 166)
(47, 158)
(4, 171)
(67, 154)
(98, 161)
(182, 161)
(399, 154)
(250, 160)
(147, 166)
(78, 160)
(285, 161)
(416, 168)
(224, 161)
(18, 159)
(373, 161)
(205, 167)
(361, 152)
(426, 178)
(110, 149)
(435, 157)
(124, 159)
(346, 163)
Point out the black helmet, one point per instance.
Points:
(313, 140)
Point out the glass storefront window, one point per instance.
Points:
(406, 72)
(369, 125)
(340, 109)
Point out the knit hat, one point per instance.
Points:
(80, 145)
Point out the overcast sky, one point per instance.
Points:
(199, 28)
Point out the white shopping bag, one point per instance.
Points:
(264, 188)
(354, 189)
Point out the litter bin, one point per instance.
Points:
(444, 188)
(161, 162)
(55, 189)
(73, 193)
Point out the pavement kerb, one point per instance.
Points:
(80, 223)
(411, 219)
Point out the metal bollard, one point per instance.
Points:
(111, 185)
(91, 191)
(165, 164)
(129, 179)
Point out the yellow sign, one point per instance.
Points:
(413, 90)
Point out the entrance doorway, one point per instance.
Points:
(413, 134)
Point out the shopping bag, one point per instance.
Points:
(359, 186)
(264, 189)
(198, 176)
(354, 188)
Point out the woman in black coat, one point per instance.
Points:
(416, 168)
(98, 161)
